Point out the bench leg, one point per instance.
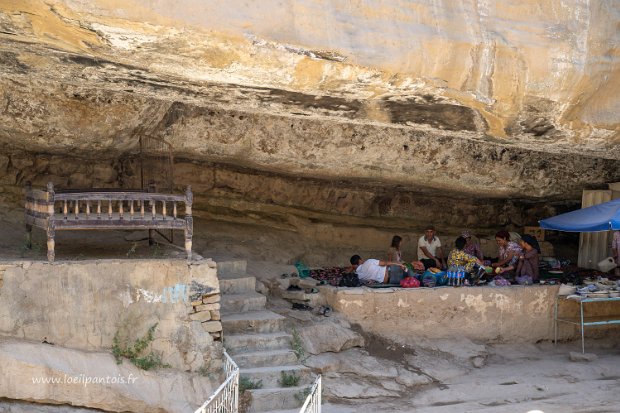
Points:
(29, 236)
(51, 233)
(189, 232)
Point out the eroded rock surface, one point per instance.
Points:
(322, 113)
(26, 365)
(329, 337)
(354, 375)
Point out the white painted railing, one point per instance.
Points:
(313, 401)
(226, 397)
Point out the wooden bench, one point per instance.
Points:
(105, 209)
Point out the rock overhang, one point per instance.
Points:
(301, 112)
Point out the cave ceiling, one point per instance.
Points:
(517, 99)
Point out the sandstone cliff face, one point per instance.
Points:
(323, 109)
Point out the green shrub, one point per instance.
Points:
(302, 395)
(121, 349)
(289, 380)
(297, 345)
(245, 383)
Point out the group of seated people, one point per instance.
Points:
(517, 261)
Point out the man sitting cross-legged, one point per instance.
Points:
(386, 272)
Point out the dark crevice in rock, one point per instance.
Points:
(439, 115)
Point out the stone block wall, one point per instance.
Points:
(516, 314)
(85, 304)
(207, 311)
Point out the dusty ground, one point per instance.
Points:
(517, 378)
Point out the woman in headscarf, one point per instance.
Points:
(459, 258)
(471, 247)
(528, 260)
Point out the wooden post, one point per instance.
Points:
(151, 232)
(29, 236)
(51, 231)
(189, 222)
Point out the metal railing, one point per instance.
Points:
(313, 401)
(226, 397)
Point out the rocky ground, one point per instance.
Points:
(364, 373)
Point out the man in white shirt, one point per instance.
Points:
(429, 250)
(377, 270)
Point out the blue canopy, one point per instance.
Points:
(601, 217)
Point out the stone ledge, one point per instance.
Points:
(499, 314)
(212, 326)
(211, 298)
(207, 307)
(202, 316)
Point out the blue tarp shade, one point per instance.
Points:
(601, 217)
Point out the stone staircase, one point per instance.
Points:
(256, 340)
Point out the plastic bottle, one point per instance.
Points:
(451, 275)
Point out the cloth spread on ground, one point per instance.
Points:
(571, 273)
(331, 275)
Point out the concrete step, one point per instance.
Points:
(271, 375)
(269, 399)
(241, 303)
(264, 321)
(286, 410)
(313, 300)
(264, 358)
(231, 268)
(237, 285)
(239, 343)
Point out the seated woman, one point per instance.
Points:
(472, 248)
(527, 268)
(394, 252)
(509, 252)
(459, 258)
